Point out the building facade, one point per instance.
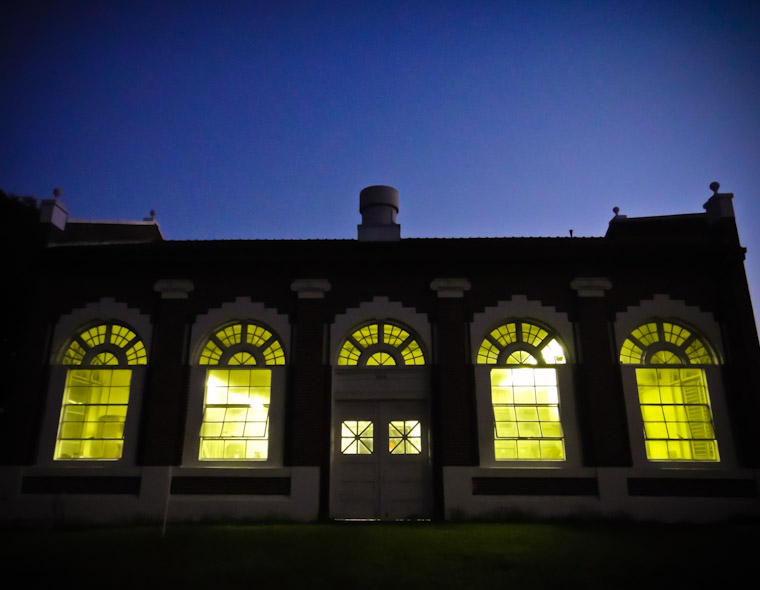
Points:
(151, 380)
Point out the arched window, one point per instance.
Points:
(524, 391)
(238, 392)
(96, 395)
(381, 344)
(672, 389)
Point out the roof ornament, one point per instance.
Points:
(719, 205)
(616, 211)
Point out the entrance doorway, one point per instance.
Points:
(380, 415)
(381, 460)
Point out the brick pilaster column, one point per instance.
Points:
(164, 402)
(453, 401)
(308, 432)
(601, 403)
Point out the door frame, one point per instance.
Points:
(379, 386)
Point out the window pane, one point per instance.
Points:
(236, 414)
(394, 335)
(525, 395)
(381, 359)
(488, 353)
(526, 414)
(405, 437)
(675, 409)
(412, 354)
(367, 336)
(505, 449)
(94, 410)
(349, 355)
(389, 345)
(356, 437)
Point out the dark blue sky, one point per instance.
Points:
(266, 119)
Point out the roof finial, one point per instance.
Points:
(714, 187)
(616, 210)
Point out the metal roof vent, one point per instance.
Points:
(379, 206)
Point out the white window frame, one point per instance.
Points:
(240, 310)
(520, 307)
(380, 309)
(103, 311)
(661, 307)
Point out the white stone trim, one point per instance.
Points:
(174, 288)
(310, 288)
(450, 288)
(591, 286)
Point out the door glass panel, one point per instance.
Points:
(356, 437)
(405, 437)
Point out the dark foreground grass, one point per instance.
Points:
(374, 555)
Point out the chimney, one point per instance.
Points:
(378, 206)
(53, 211)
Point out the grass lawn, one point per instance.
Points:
(403, 555)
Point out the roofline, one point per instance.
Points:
(118, 222)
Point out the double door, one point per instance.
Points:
(380, 460)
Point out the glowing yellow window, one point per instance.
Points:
(518, 343)
(244, 343)
(672, 391)
(381, 359)
(525, 396)
(405, 437)
(526, 414)
(356, 437)
(236, 406)
(382, 344)
(93, 413)
(96, 394)
(236, 415)
(675, 408)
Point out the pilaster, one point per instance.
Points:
(601, 405)
(165, 400)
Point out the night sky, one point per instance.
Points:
(265, 119)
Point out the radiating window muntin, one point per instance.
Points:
(672, 389)
(404, 437)
(107, 340)
(381, 344)
(357, 437)
(525, 393)
(665, 342)
(237, 400)
(261, 344)
(96, 393)
(532, 343)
